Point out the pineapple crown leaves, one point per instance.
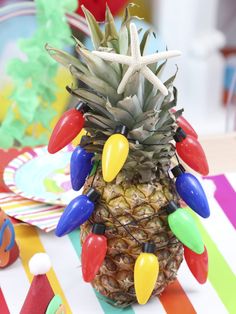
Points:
(141, 107)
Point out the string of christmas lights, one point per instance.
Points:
(133, 222)
(114, 155)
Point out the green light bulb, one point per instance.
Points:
(184, 228)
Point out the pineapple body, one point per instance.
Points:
(142, 189)
(130, 203)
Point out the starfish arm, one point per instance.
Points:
(151, 77)
(113, 57)
(134, 42)
(125, 79)
(160, 56)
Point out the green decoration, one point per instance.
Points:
(184, 228)
(54, 305)
(95, 167)
(33, 77)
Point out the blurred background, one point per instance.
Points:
(205, 32)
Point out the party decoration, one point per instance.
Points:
(136, 62)
(9, 250)
(77, 212)
(40, 294)
(184, 228)
(121, 84)
(56, 306)
(80, 167)
(197, 263)
(191, 152)
(32, 97)
(115, 153)
(67, 128)
(94, 250)
(98, 8)
(191, 191)
(51, 187)
(185, 125)
(146, 271)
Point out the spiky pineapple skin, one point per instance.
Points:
(131, 201)
(142, 188)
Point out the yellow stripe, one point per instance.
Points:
(21, 204)
(29, 243)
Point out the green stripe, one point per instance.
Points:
(107, 308)
(220, 274)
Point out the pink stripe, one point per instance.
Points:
(12, 198)
(48, 211)
(225, 196)
(75, 20)
(33, 153)
(11, 167)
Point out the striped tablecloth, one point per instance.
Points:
(184, 296)
(43, 216)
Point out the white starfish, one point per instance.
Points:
(137, 62)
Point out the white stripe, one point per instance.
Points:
(15, 284)
(232, 179)
(16, 163)
(219, 228)
(203, 297)
(47, 223)
(9, 196)
(66, 265)
(153, 306)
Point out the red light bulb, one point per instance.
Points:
(191, 152)
(197, 263)
(67, 128)
(94, 250)
(185, 125)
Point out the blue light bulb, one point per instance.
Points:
(191, 191)
(80, 167)
(77, 212)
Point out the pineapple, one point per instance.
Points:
(140, 192)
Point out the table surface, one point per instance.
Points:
(184, 296)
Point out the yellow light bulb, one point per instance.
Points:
(146, 271)
(114, 155)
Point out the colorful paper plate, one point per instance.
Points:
(40, 176)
